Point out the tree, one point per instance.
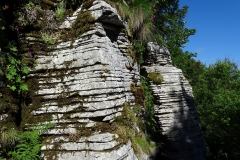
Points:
(217, 96)
(169, 22)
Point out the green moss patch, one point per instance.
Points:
(128, 129)
(157, 78)
(83, 23)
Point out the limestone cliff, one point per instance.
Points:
(82, 86)
(82, 77)
(174, 107)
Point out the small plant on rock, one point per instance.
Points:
(59, 13)
(30, 5)
(8, 138)
(29, 145)
(14, 71)
(48, 38)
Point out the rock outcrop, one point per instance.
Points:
(82, 77)
(82, 86)
(174, 107)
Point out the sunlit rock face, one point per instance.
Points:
(82, 83)
(174, 107)
(81, 86)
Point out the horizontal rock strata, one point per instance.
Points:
(82, 86)
(174, 107)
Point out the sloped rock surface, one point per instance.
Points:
(174, 107)
(82, 89)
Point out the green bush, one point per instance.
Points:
(139, 49)
(13, 72)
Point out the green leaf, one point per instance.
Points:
(18, 78)
(2, 28)
(13, 88)
(12, 60)
(25, 70)
(9, 77)
(18, 61)
(12, 71)
(24, 87)
(13, 48)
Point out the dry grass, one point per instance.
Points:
(142, 29)
(9, 138)
(137, 18)
(146, 32)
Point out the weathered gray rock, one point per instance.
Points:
(82, 89)
(82, 85)
(174, 107)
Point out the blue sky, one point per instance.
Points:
(218, 29)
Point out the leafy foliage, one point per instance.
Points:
(149, 106)
(217, 96)
(13, 72)
(48, 38)
(29, 145)
(170, 22)
(139, 49)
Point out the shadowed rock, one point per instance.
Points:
(174, 108)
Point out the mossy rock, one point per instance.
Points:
(157, 78)
(83, 23)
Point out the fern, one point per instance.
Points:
(29, 146)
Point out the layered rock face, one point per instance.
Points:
(82, 87)
(174, 107)
(82, 84)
